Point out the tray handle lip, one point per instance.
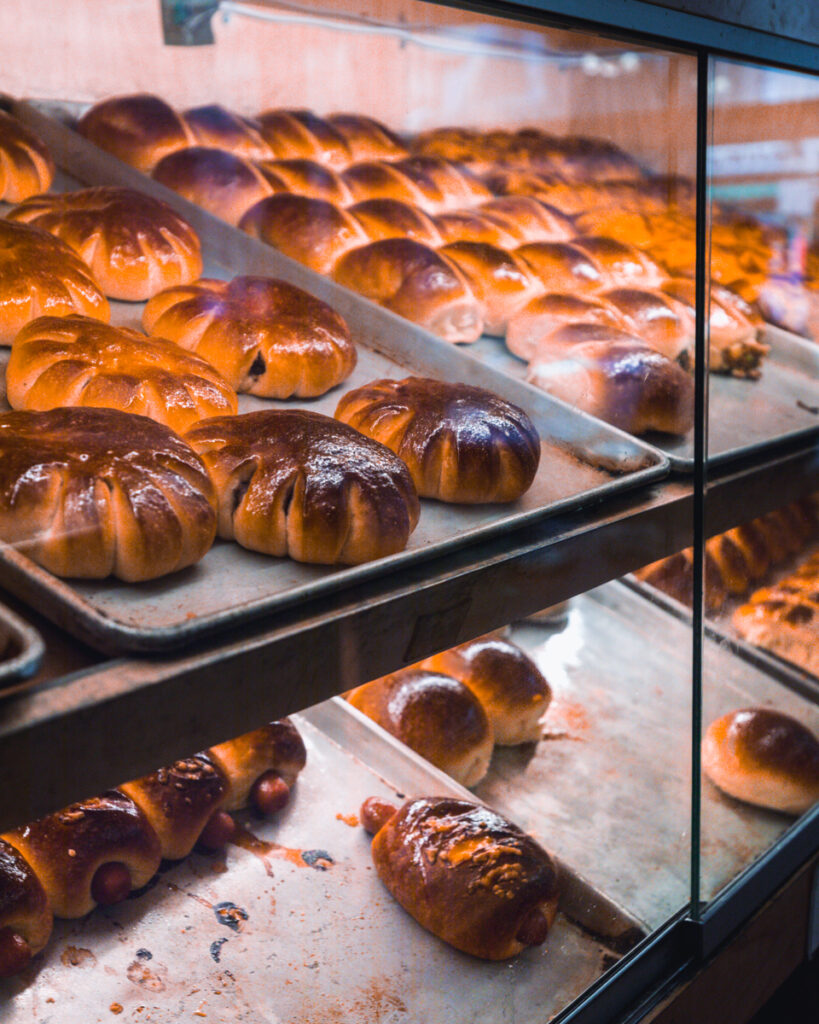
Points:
(23, 666)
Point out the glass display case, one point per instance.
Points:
(590, 252)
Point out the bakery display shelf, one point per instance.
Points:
(720, 629)
(21, 652)
(746, 417)
(612, 772)
(295, 925)
(583, 461)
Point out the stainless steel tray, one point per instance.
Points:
(745, 416)
(720, 629)
(21, 651)
(583, 460)
(317, 937)
(609, 787)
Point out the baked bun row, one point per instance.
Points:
(97, 851)
(26, 166)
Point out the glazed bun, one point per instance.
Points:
(763, 757)
(265, 337)
(214, 126)
(657, 319)
(547, 313)
(473, 226)
(414, 281)
(276, 746)
(434, 715)
(76, 361)
(135, 245)
(291, 482)
(89, 493)
(39, 275)
(390, 218)
(222, 183)
(294, 134)
(312, 231)
(139, 129)
(528, 219)
(26, 167)
(622, 265)
(461, 443)
(367, 138)
(25, 915)
(305, 178)
(505, 680)
(562, 267)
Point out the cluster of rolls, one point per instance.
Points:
(98, 851)
(454, 707)
(416, 227)
(740, 557)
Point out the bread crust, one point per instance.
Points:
(139, 129)
(266, 337)
(242, 760)
(223, 183)
(42, 275)
(214, 126)
(24, 906)
(293, 134)
(89, 493)
(367, 138)
(461, 443)
(134, 244)
(26, 166)
(297, 483)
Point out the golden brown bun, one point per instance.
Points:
(312, 231)
(435, 715)
(265, 337)
(26, 167)
(414, 281)
(178, 801)
(562, 267)
(784, 618)
(461, 145)
(24, 907)
(66, 849)
(139, 129)
(276, 746)
(295, 134)
(367, 138)
(502, 283)
(621, 265)
(505, 680)
(390, 218)
(656, 319)
(546, 313)
(94, 492)
(381, 179)
(467, 875)
(223, 183)
(135, 245)
(42, 275)
(306, 178)
(577, 158)
(297, 483)
(461, 443)
(616, 377)
(473, 226)
(76, 361)
(214, 126)
(457, 186)
(524, 181)
(763, 757)
(528, 219)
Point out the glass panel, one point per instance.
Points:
(760, 739)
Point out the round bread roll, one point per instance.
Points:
(312, 231)
(276, 746)
(457, 186)
(135, 245)
(88, 493)
(76, 361)
(390, 218)
(367, 138)
(461, 145)
(306, 178)
(436, 716)
(25, 915)
(763, 757)
(214, 126)
(505, 680)
(657, 319)
(266, 337)
(562, 267)
(616, 377)
(67, 849)
(294, 134)
(26, 167)
(414, 281)
(528, 219)
(499, 281)
(472, 226)
(546, 313)
(139, 129)
(461, 443)
(621, 265)
(291, 482)
(41, 275)
(223, 183)
(381, 179)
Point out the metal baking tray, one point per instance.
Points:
(583, 460)
(745, 416)
(609, 786)
(720, 629)
(302, 929)
(21, 651)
